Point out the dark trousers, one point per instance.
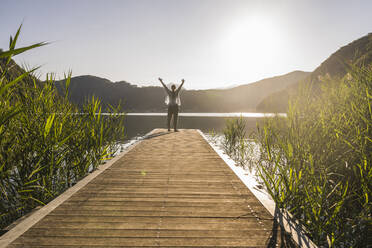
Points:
(172, 111)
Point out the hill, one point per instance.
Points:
(357, 52)
(242, 98)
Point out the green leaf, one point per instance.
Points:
(14, 41)
(38, 201)
(35, 171)
(17, 51)
(48, 124)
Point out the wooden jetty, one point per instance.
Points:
(170, 190)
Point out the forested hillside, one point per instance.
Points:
(243, 98)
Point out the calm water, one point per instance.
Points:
(138, 124)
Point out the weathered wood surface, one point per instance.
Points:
(171, 190)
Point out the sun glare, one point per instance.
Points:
(251, 40)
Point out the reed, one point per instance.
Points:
(46, 146)
(316, 163)
(233, 132)
(237, 144)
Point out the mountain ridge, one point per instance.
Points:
(357, 52)
(242, 98)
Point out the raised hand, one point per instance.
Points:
(161, 80)
(183, 80)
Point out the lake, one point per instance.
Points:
(138, 124)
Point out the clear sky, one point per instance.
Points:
(210, 43)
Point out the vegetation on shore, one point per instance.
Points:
(317, 162)
(46, 146)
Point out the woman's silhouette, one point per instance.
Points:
(173, 101)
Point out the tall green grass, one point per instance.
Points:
(316, 162)
(237, 144)
(46, 145)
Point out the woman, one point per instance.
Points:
(173, 101)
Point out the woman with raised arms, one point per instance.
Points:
(173, 101)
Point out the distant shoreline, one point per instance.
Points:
(243, 114)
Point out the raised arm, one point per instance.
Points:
(179, 87)
(165, 87)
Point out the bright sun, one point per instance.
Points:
(251, 41)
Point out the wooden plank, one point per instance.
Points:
(64, 232)
(140, 241)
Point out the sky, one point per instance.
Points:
(209, 43)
